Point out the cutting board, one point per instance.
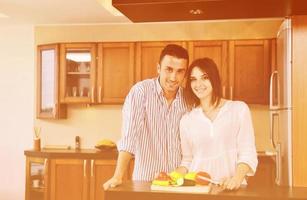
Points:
(184, 189)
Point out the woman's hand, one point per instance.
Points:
(232, 183)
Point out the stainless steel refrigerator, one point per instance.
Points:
(281, 106)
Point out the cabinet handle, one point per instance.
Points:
(92, 168)
(84, 168)
(278, 164)
(54, 111)
(93, 95)
(231, 92)
(99, 94)
(223, 91)
(45, 165)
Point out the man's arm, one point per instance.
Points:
(121, 167)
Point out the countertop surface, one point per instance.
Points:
(73, 153)
(141, 190)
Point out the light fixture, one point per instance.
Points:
(196, 11)
(107, 4)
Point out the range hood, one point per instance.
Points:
(186, 10)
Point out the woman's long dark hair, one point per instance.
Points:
(209, 67)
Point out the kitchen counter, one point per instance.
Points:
(141, 190)
(72, 153)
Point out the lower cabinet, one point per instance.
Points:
(68, 179)
(80, 179)
(36, 178)
(265, 174)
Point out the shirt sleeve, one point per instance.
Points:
(186, 147)
(132, 119)
(246, 140)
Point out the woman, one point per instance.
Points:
(217, 135)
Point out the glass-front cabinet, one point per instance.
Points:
(78, 73)
(36, 178)
(47, 83)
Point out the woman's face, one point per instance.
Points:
(200, 84)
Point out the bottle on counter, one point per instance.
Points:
(77, 143)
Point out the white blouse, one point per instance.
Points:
(218, 146)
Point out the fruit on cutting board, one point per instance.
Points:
(188, 182)
(163, 179)
(177, 178)
(199, 178)
(190, 176)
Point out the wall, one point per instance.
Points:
(96, 122)
(16, 97)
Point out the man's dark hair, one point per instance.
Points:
(176, 51)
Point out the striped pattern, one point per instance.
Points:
(151, 129)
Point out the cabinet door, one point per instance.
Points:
(69, 179)
(115, 71)
(37, 178)
(77, 73)
(249, 70)
(48, 106)
(217, 51)
(101, 171)
(147, 58)
(265, 171)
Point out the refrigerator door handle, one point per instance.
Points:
(272, 105)
(278, 164)
(273, 114)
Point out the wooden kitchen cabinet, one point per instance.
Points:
(249, 70)
(53, 174)
(101, 171)
(37, 178)
(78, 72)
(148, 56)
(217, 51)
(82, 178)
(265, 173)
(69, 179)
(48, 105)
(116, 71)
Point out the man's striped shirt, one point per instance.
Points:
(151, 129)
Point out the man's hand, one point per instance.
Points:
(113, 182)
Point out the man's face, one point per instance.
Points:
(172, 71)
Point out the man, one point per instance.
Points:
(151, 115)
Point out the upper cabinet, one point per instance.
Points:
(217, 51)
(48, 106)
(78, 73)
(148, 56)
(249, 70)
(103, 73)
(116, 72)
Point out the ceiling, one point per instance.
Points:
(41, 12)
